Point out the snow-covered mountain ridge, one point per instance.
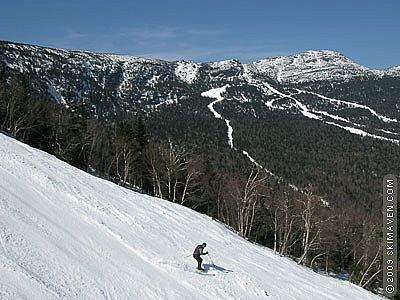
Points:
(65, 234)
(313, 66)
(302, 67)
(115, 84)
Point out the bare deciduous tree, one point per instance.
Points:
(191, 175)
(367, 254)
(245, 195)
(175, 163)
(311, 232)
(155, 168)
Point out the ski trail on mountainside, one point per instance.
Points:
(351, 104)
(316, 114)
(216, 93)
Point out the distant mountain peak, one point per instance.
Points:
(311, 65)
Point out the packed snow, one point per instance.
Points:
(65, 234)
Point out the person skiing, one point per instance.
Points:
(198, 251)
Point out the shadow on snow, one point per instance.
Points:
(209, 267)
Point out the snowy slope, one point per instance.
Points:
(67, 235)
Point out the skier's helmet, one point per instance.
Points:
(204, 244)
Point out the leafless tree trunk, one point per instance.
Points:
(308, 204)
(314, 259)
(175, 164)
(273, 212)
(192, 173)
(246, 196)
(156, 167)
(373, 262)
(290, 217)
(367, 252)
(127, 162)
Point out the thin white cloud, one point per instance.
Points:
(148, 33)
(211, 53)
(170, 43)
(76, 35)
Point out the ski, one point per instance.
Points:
(205, 272)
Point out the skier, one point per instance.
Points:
(196, 254)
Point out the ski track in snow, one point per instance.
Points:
(65, 234)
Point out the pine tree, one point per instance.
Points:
(140, 134)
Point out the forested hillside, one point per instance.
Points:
(288, 154)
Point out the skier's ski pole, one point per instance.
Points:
(211, 259)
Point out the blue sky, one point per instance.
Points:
(366, 31)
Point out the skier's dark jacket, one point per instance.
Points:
(199, 251)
